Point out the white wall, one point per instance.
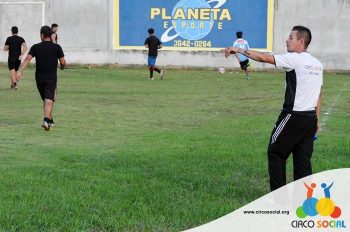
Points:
(86, 32)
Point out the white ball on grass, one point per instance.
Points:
(221, 70)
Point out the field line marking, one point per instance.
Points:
(330, 109)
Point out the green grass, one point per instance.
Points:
(129, 154)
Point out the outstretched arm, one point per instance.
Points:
(23, 67)
(330, 185)
(236, 56)
(254, 55)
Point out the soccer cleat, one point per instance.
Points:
(46, 126)
(52, 123)
(15, 86)
(248, 77)
(151, 79)
(161, 74)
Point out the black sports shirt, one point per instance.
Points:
(15, 46)
(46, 54)
(153, 45)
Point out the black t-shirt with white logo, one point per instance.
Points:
(46, 54)
(15, 46)
(153, 45)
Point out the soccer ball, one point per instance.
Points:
(221, 70)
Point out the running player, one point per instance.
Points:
(243, 60)
(153, 44)
(46, 54)
(16, 46)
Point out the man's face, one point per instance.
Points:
(293, 44)
(55, 29)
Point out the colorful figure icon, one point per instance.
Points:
(313, 206)
(327, 192)
(310, 189)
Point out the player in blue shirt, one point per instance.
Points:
(243, 60)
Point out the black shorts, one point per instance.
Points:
(244, 64)
(47, 89)
(14, 64)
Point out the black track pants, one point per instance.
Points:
(292, 134)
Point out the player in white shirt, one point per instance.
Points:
(243, 60)
(299, 120)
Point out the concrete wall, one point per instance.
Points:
(28, 18)
(329, 21)
(86, 32)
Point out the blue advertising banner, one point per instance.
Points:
(193, 24)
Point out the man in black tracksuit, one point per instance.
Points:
(299, 120)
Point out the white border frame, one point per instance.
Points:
(42, 10)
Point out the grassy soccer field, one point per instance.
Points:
(129, 154)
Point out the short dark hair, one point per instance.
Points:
(46, 31)
(151, 31)
(14, 30)
(303, 32)
(54, 25)
(239, 34)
